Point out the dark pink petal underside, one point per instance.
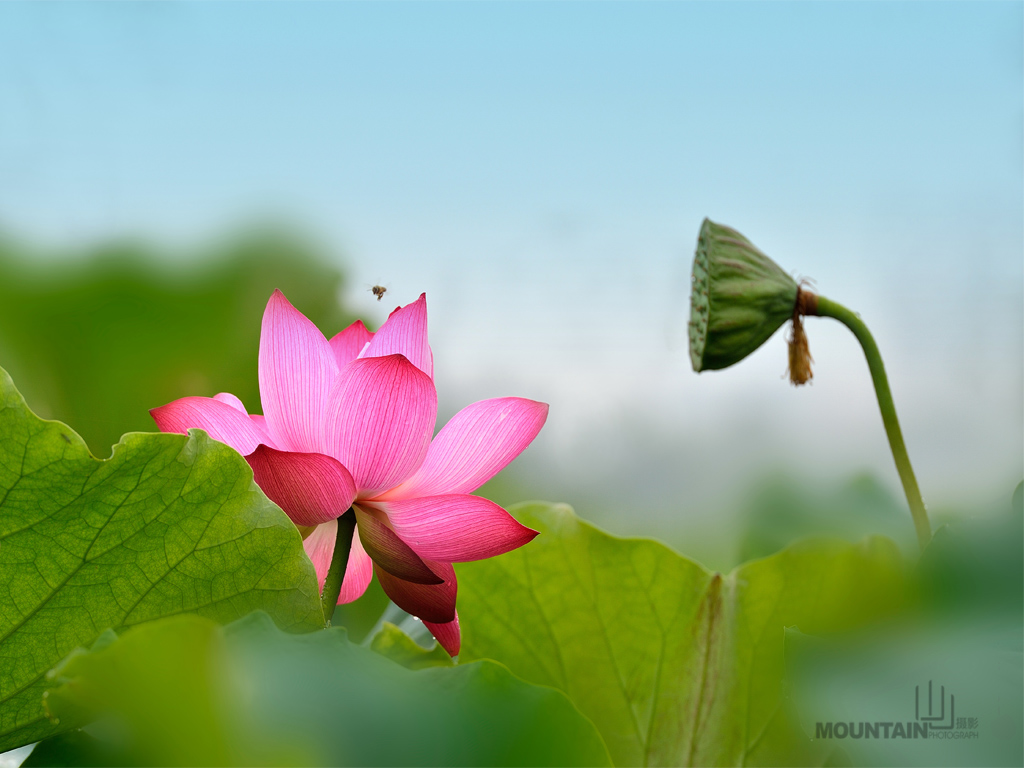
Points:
(435, 603)
(310, 487)
(391, 553)
(448, 635)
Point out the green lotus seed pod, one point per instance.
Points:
(739, 298)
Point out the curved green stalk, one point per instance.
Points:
(828, 308)
(339, 562)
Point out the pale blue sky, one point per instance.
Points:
(541, 170)
(170, 116)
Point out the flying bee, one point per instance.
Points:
(379, 291)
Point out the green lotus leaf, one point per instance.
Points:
(675, 664)
(168, 524)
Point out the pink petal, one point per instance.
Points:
(357, 574)
(297, 369)
(455, 528)
(448, 635)
(379, 421)
(435, 603)
(405, 333)
(319, 545)
(475, 445)
(220, 420)
(347, 344)
(234, 402)
(310, 487)
(391, 553)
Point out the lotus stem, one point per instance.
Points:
(826, 308)
(339, 562)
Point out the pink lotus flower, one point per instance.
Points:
(348, 423)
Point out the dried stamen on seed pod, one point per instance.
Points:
(799, 353)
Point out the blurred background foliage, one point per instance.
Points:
(97, 338)
(780, 509)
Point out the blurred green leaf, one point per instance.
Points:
(361, 616)
(976, 566)
(96, 339)
(164, 683)
(781, 510)
(168, 524)
(676, 665)
(976, 669)
(393, 643)
(184, 691)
